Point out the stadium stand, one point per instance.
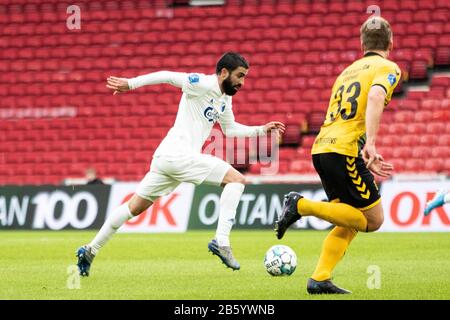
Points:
(57, 117)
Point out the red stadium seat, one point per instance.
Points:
(295, 48)
(418, 70)
(442, 56)
(303, 153)
(446, 165)
(291, 135)
(387, 140)
(308, 141)
(299, 166)
(315, 121)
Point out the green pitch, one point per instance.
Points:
(39, 265)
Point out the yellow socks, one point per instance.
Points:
(339, 214)
(348, 221)
(333, 250)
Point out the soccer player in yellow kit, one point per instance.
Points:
(344, 154)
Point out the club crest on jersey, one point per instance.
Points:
(193, 78)
(391, 78)
(211, 114)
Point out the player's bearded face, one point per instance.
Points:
(229, 87)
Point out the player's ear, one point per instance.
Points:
(224, 73)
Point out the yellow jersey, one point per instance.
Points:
(344, 128)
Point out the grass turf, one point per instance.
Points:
(38, 265)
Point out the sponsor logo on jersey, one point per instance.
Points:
(194, 78)
(211, 114)
(392, 78)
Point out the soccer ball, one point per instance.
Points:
(280, 260)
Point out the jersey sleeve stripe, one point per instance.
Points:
(379, 84)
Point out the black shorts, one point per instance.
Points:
(347, 180)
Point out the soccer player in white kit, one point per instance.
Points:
(206, 99)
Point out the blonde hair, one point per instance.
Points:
(376, 34)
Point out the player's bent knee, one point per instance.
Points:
(375, 224)
(233, 176)
(237, 178)
(240, 179)
(137, 205)
(135, 211)
(375, 217)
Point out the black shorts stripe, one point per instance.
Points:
(347, 179)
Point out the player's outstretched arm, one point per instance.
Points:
(117, 84)
(124, 84)
(235, 129)
(231, 128)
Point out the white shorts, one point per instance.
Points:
(166, 173)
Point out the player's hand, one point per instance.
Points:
(369, 154)
(117, 84)
(274, 125)
(380, 167)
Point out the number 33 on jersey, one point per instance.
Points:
(344, 128)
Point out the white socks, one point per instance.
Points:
(115, 220)
(229, 201)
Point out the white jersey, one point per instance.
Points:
(202, 104)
